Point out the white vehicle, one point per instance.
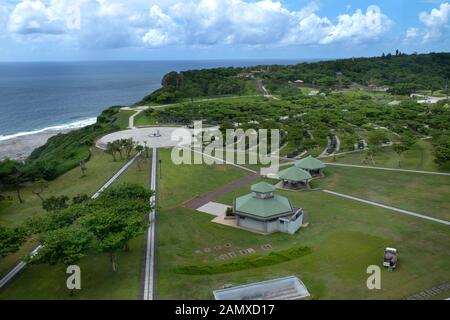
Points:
(390, 258)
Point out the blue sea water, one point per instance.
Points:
(35, 97)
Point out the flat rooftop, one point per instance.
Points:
(289, 288)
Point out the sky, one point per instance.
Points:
(72, 30)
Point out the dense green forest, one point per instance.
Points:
(403, 74)
(301, 113)
(200, 83)
(296, 113)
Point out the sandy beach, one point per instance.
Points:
(19, 148)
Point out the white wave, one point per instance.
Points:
(62, 127)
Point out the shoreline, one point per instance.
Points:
(19, 146)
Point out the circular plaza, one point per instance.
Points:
(154, 137)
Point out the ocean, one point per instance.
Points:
(41, 99)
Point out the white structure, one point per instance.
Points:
(264, 211)
(289, 288)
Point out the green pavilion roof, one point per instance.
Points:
(263, 208)
(310, 163)
(294, 174)
(263, 187)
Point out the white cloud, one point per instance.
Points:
(156, 23)
(360, 26)
(33, 16)
(436, 22)
(264, 22)
(436, 25)
(412, 33)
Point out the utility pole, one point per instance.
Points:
(160, 169)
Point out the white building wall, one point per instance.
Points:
(252, 224)
(279, 225)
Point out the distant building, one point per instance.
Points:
(264, 211)
(299, 82)
(374, 88)
(246, 75)
(394, 103)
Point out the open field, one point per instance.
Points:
(180, 184)
(420, 157)
(422, 193)
(98, 280)
(344, 237)
(99, 169)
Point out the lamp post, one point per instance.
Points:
(160, 169)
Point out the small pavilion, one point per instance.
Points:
(314, 166)
(264, 211)
(294, 178)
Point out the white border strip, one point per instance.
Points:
(386, 169)
(150, 253)
(418, 215)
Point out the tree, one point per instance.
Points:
(55, 203)
(114, 227)
(376, 138)
(80, 198)
(83, 168)
(139, 148)
(111, 148)
(11, 240)
(14, 174)
(39, 187)
(66, 245)
(399, 149)
(442, 150)
(127, 145)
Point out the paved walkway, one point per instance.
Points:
(131, 119)
(211, 196)
(430, 293)
(115, 176)
(387, 169)
(214, 208)
(21, 265)
(223, 161)
(149, 279)
(376, 204)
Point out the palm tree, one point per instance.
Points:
(139, 148)
(111, 149)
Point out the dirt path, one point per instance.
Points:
(213, 195)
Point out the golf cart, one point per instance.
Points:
(390, 258)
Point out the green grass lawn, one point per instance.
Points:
(182, 183)
(344, 237)
(422, 193)
(143, 119)
(98, 280)
(420, 157)
(100, 168)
